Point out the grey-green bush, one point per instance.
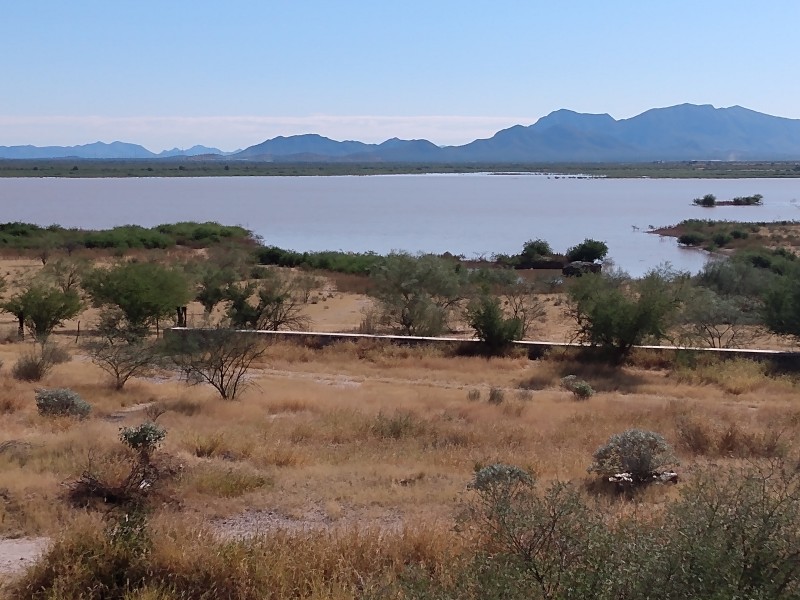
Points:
(635, 451)
(579, 388)
(61, 402)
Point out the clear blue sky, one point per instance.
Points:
(231, 74)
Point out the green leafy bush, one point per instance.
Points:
(691, 239)
(61, 402)
(144, 438)
(492, 327)
(588, 250)
(707, 201)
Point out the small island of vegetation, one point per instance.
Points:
(710, 201)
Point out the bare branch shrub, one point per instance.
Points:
(219, 357)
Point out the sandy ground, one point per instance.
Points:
(19, 553)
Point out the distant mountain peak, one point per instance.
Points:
(682, 132)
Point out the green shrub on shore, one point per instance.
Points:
(27, 236)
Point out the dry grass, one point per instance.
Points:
(344, 423)
(363, 433)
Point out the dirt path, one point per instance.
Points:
(341, 380)
(19, 553)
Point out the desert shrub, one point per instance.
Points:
(722, 238)
(614, 315)
(492, 328)
(219, 357)
(36, 363)
(496, 396)
(400, 425)
(530, 544)
(474, 395)
(500, 480)
(61, 402)
(144, 438)
(132, 488)
(579, 388)
(635, 451)
(9, 405)
(691, 239)
(582, 390)
(524, 395)
(739, 234)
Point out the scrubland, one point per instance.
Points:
(344, 471)
(350, 461)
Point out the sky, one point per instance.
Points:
(231, 74)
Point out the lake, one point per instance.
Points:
(469, 214)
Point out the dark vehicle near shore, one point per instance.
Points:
(579, 267)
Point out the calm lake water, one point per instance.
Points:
(474, 214)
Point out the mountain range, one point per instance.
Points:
(683, 132)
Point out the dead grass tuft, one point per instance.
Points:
(735, 376)
(703, 438)
(221, 481)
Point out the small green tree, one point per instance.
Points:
(143, 292)
(42, 308)
(492, 327)
(782, 306)
(278, 304)
(220, 357)
(710, 319)
(416, 294)
(120, 352)
(588, 250)
(532, 251)
(707, 201)
(212, 286)
(616, 314)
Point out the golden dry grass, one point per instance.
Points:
(366, 431)
(362, 434)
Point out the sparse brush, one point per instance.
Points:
(230, 482)
(496, 396)
(397, 426)
(188, 408)
(10, 404)
(735, 376)
(30, 367)
(205, 446)
(474, 395)
(524, 395)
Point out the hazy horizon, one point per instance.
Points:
(186, 73)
